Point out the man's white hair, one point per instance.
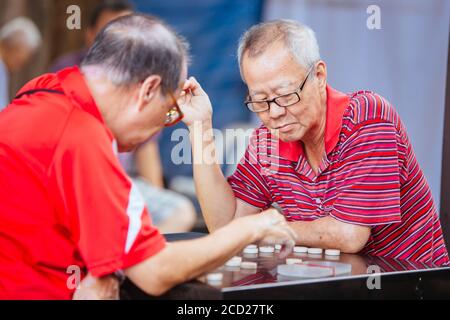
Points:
(21, 29)
(298, 38)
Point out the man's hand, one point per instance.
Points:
(194, 103)
(272, 228)
(93, 288)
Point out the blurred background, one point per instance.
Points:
(403, 56)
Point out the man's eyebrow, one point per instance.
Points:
(284, 85)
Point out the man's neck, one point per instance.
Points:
(105, 94)
(314, 144)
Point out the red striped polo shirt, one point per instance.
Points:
(369, 176)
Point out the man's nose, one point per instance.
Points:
(276, 111)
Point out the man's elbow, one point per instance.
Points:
(153, 281)
(155, 290)
(150, 286)
(213, 226)
(351, 247)
(153, 286)
(355, 241)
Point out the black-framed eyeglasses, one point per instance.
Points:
(284, 100)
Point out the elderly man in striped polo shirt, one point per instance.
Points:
(341, 167)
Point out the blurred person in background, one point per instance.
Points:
(105, 12)
(171, 211)
(19, 40)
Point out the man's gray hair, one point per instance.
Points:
(135, 46)
(21, 29)
(298, 38)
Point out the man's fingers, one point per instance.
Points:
(193, 85)
(286, 249)
(182, 98)
(279, 235)
(290, 232)
(187, 84)
(279, 221)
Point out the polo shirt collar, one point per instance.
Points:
(75, 88)
(337, 103)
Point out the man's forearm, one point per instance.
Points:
(185, 260)
(148, 164)
(215, 195)
(328, 232)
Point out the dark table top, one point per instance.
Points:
(266, 274)
(265, 282)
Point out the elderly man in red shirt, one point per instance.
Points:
(66, 204)
(341, 167)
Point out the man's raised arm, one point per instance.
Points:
(218, 203)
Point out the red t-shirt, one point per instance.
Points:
(369, 176)
(65, 201)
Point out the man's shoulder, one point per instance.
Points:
(44, 104)
(368, 106)
(84, 129)
(374, 115)
(36, 114)
(47, 81)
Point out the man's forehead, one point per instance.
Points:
(271, 71)
(271, 86)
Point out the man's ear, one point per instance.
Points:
(150, 88)
(321, 74)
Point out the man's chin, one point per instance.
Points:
(295, 134)
(290, 137)
(127, 148)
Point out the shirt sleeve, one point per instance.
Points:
(369, 175)
(110, 217)
(247, 181)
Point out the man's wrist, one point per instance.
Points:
(202, 136)
(254, 230)
(200, 126)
